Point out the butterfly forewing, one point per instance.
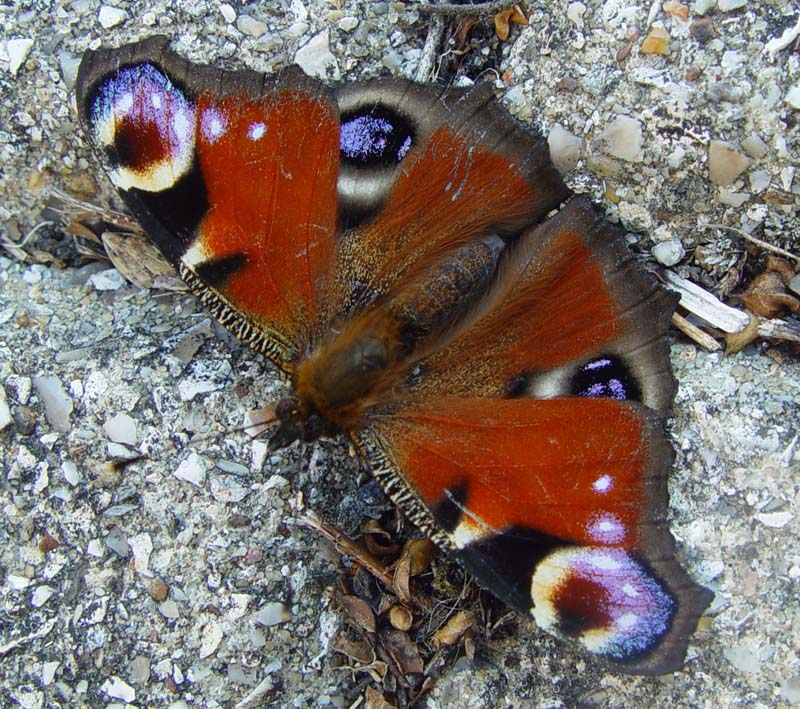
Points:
(232, 174)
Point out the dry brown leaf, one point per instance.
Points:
(504, 18)
(378, 541)
(458, 624)
(138, 259)
(358, 650)
(358, 612)
(374, 699)
(402, 577)
(767, 296)
(400, 617)
(421, 553)
(402, 651)
(782, 267)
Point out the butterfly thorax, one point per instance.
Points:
(360, 362)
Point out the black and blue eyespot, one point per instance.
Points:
(606, 376)
(375, 137)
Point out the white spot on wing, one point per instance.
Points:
(602, 484)
(256, 131)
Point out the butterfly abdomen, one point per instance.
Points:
(357, 363)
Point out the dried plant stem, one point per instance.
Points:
(758, 242)
(452, 10)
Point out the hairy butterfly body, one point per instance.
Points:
(387, 245)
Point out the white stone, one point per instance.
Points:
(271, 614)
(299, 10)
(228, 13)
(315, 57)
(793, 96)
(41, 595)
(776, 520)
(95, 548)
(110, 279)
(731, 198)
(210, 640)
(17, 583)
(725, 162)
(669, 253)
(192, 469)
(565, 148)
(49, 670)
(141, 546)
(623, 139)
(116, 688)
(730, 5)
(57, 404)
(17, 50)
(169, 609)
(225, 488)
(702, 7)
(70, 471)
(111, 16)
(5, 412)
(575, 12)
(754, 146)
(347, 24)
(251, 27)
(121, 429)
(759, 180)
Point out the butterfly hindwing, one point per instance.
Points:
(232, 174)
(532, 447)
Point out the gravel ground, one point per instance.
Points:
(182, 581)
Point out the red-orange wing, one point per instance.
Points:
(558, 506)
(232, 174)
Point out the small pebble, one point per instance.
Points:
(41, 595)
(315, 57)
(725, 162)
(565, 148)
(271, 614)
(57, 403)
(623, 139)
(228, 13)
(111, 16)
(17, 50)
(139, 670)
(730, 5)
(110, 279)
(116, 688)
(192, 469)
(347, 24)
(121, 429)
(211, 639)
(657, 42)
(250, 26)
(169, 609)
(759, 180)
(732, 199)
(754, 146)
(793, 97)
(158, 590)
(5, 412)
(669, 253)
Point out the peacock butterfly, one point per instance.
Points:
(410, 259)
